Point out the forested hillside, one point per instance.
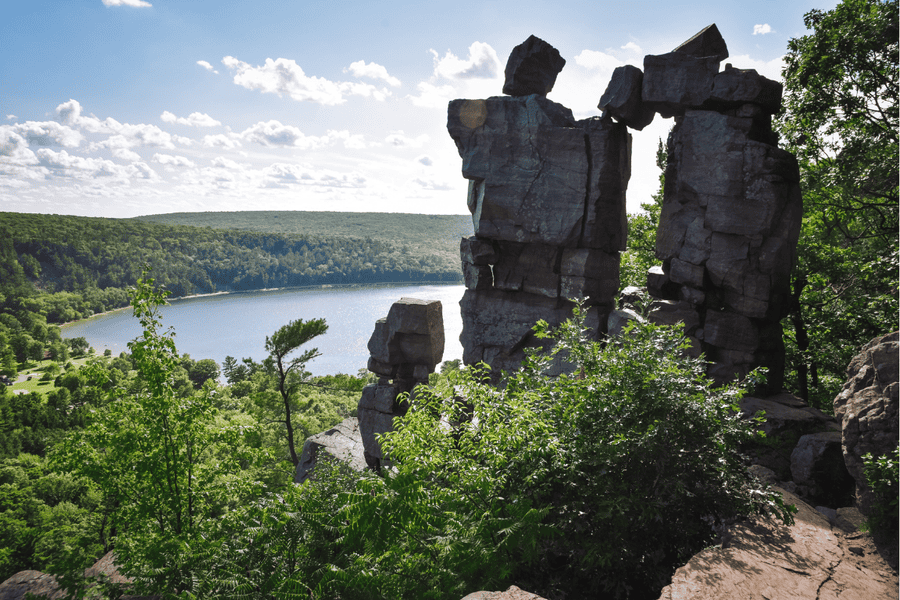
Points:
(93, 256)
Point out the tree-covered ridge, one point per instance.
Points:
(65, 253)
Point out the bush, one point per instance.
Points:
(597, 483)
(882, 475)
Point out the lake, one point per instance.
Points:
(236, 324)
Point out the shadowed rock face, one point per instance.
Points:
(867, 408)
(405, 347)
(547, 197)
(532, 68)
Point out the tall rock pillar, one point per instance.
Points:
(732, 206)
(405, 348)
(547, 197)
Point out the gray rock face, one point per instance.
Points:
(622, 98)
(675, 82)
(532, 167)
(532, 68)
(727, 236)
(405, 346)
(867, 408)
(342, 442)
(707, 42)
(547, 197)
(818, 463)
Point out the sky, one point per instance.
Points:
(121, 108)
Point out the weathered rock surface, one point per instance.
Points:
(405, 346)
(342, 442)
(622, 98)
(706, 42)
(766, 560)
(42, 585)
(30, 582)
(529, 164)
(513, 593)
(867, 408)
(532, 68)
(817, 462)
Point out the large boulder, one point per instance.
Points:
(532, 68)
(706, 42)
(342, 442)
(867, 409)
(622, 98)
(817, 463)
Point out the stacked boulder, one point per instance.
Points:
(732, 206)
(405, 348)
(547, 197)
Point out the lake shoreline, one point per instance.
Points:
(323, 286)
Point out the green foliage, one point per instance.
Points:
(841, 119)
(40, 512)
(165, 462)
(882, 475)
(640, 254)
(286, 340)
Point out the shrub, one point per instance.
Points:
(600, 482)
(882, 475)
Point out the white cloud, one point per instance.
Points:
(285, 77)
(399, 139)
(594, 59)
(184, 141)
(195, 119)
(425, 160)
(173, 160)
(49, 133)
(431, 184)
(141, 134)
(221, 140)
(285, 175)
(761, 29)
(434, 96)
(351, 141)
(632, 47)
(14, 148)
(275, 133)
(11, 117)
(126, 154)
(134, 3)
(207, 66)
(64, 164)
(482, 63)
(372, 71)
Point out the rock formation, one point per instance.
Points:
(547, 197)
(731, 211)
(867, 408)
(405, 348)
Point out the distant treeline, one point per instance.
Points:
(80, 265)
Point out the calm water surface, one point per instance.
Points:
(237, 324)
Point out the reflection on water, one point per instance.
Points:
(237, 324)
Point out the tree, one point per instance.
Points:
(640, 253)
(165, 462)
(841, 119)
(283, 342)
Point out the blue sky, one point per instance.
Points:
(121, 108)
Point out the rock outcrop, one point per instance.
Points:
(731, 212)
(342, 442)
(547, 197)
(405, 348)
(867, 408)
(762, 558)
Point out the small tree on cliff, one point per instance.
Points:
(282, 343)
